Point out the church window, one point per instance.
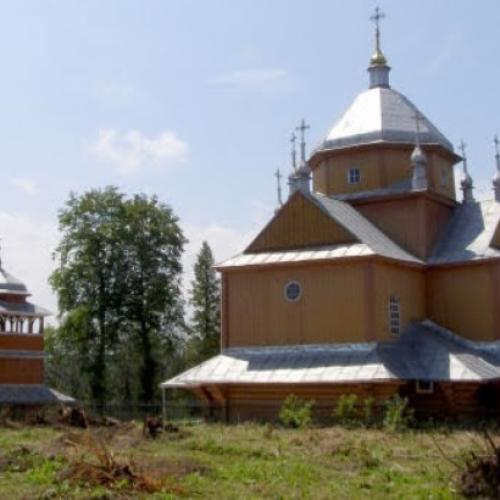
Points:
(354, 176)
(424, 387)
(293, 291)
(394, 315)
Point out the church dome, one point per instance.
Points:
(10, 284)
(381, 115)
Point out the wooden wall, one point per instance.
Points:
(406, 283)
(21, 342)
(466, 299)
(415, 222)
(340, 302)
(300, 223)
(21, 371)
(380, 167)
(263, 401)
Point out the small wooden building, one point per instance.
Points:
(376, 280)
(22, 348)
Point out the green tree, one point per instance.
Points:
(89, 280)
(118, 285)
(205, 300)
(153, 305)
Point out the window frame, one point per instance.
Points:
(424, 390)
(353, 175)
(285, 291)
(394, 315)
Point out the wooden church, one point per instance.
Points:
(374, 280)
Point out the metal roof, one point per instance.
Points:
(24, 309)
(398, 188)
(468, 234)
(425, 351)
(381, 115)
(302, 255)
(11, 284)
(35, 394)
(371, 240)
(365, 231)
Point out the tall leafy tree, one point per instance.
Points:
(118, 284)
(89, 280)
(153, 305)
(205, 301)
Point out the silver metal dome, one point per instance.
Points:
(380, 115)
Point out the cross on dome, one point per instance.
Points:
(302, 129)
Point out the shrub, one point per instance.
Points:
(296, 413)
(346, 411)
(367, 411)
(398, 415)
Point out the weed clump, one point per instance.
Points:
(296, 413)
(398, 415)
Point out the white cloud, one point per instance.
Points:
(25, 185)
(132, 151)
(27, 246)
(254, 79)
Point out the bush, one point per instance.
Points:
(346, 411)
(398, 415)
(296, 413)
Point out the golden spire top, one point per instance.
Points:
(378, 58)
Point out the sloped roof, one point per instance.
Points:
(381, 115)
(10, 284)
(425, 351)
(24, 309)
(329, 252)
(363, 229)
(468, 235)
(31, 395)
(372, 241)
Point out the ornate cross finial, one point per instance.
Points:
(462, 146)
(376, 17)
(302, 129)
(293, 140)
(278, 181)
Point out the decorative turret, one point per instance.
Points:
(418, 161)
(378, 69)
(467, 183)
(496, 179)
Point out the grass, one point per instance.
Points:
(246, 461)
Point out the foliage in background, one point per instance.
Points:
(296, 413)
(205, 301)
(118, 283)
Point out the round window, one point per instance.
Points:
(293, 291)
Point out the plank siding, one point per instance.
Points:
(414, 223)
(300, 223)
(381, 167)
(461, 299)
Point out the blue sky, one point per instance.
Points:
(195, 101)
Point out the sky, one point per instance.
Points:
(195, 100)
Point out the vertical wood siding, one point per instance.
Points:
(300, 224)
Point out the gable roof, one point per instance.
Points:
(367, 240)
(469, 234)
(298, 224)
(425, 351)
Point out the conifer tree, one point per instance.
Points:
(205, 300)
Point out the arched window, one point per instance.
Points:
(293, 291)
(394, 315)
